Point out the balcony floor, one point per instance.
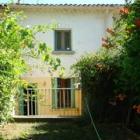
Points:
(43, 118)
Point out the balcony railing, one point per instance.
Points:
(49, 102)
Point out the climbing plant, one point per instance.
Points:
(16, 43)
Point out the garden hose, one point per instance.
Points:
(94, 126)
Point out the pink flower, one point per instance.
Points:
(105, 45)
(138, 109)
(109, 30)
(137, 23)
(124, 11)
(104, 40)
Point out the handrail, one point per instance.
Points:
(49, 88)
(52, 98)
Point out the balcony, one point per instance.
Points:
(48, 103)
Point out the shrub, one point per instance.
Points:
(98, 73)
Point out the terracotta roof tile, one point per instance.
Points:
(69, 5)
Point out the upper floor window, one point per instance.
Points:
(63, 40)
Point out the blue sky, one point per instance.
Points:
(71, 1)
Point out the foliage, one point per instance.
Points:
(113, 73)
(131, 65)
(16, 43)
(98, 72)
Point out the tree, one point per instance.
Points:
(130, 77)
(16, 42)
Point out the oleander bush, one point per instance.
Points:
(111, 76)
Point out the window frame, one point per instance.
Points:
(63, 48)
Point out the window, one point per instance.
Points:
(62, 40)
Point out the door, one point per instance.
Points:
(30, 101)
(64, 93)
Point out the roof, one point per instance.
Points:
(69, 5)
(66, 7)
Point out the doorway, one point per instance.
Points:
(30, 101)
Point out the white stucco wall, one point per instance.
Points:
(87, 28)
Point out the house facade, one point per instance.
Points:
(80, 29)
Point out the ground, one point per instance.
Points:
(63, 130)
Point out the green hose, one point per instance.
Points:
(94, 126)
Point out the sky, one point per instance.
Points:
(70, 1)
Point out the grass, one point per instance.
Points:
(63, 131)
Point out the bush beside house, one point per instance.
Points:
(111, 77)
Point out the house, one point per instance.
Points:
(80, 29)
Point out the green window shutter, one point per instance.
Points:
(72, 93)
(54, 93)
(21, 101)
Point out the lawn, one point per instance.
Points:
(64, 130)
